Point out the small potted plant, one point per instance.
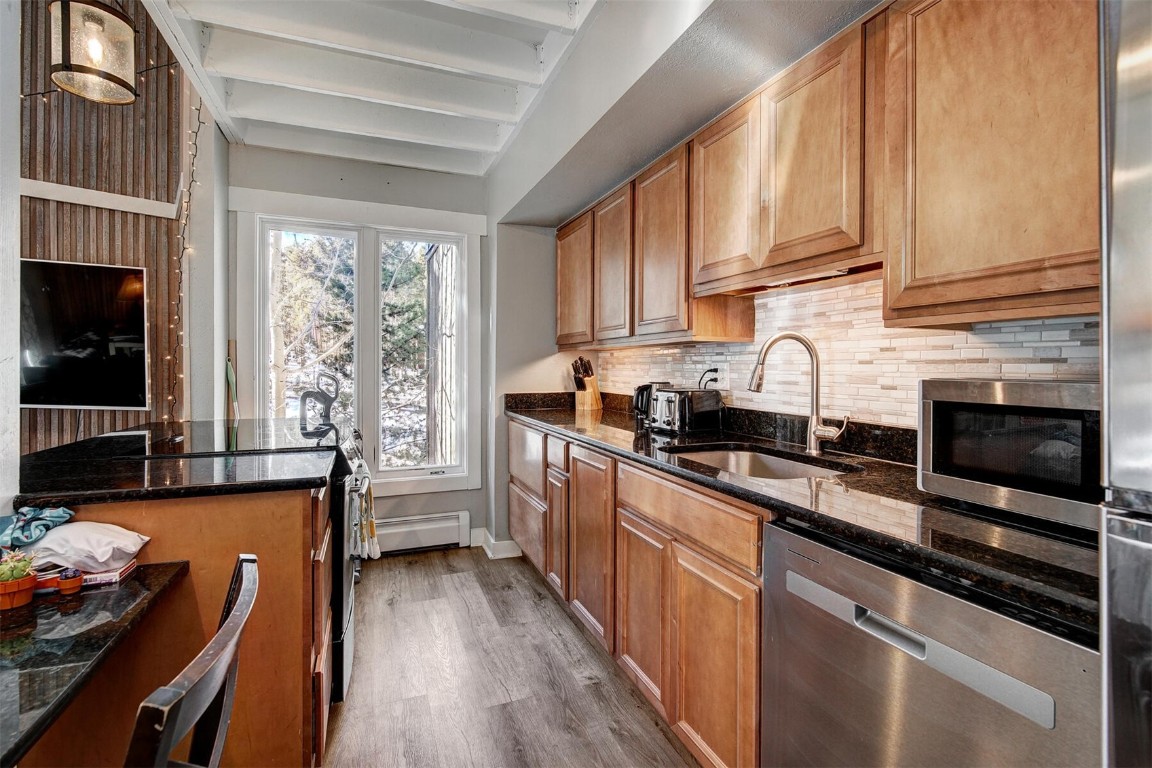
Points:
(17, 580)
(69, 581)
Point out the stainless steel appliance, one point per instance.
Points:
(685, 410)
(642, 398)
(863, 667)
(1031, 447)
(1126, 547)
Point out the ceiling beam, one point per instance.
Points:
(241, 56)
(551, 15)
(365, 149)
(378, 31)
(183, 38)
(267, 103)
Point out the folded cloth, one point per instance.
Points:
(30, 524)
(368, 528)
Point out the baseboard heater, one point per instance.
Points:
(422, 531)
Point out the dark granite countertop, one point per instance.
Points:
(52, 646)
(182, 459)
(1043, 575)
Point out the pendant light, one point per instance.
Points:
(93, 51)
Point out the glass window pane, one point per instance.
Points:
(312, 321)
(419, 370)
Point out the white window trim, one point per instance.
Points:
(252, 206)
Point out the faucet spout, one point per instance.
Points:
(817, 430)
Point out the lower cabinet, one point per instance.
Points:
(526, 524)
(591, 551)
(643, 596)
(556, 552)
(715, 647)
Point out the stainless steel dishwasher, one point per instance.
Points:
(864, 667)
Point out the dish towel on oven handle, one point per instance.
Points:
(369, 544)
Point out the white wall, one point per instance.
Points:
(524, 358)
(280, 171)
(206, 275)
(9, 252)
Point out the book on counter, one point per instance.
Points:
(102, 578)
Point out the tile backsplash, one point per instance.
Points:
(868, 371)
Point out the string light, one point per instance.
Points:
(183, 250)
(45, 94)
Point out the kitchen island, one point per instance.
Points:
(268, 493)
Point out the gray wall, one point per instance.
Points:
(9, 251)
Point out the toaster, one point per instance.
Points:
(684, 410)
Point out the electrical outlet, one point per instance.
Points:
(721, 376)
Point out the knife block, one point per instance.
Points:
(589, 399)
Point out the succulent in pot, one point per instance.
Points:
(17, 580)
(70, 580)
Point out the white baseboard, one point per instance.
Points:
(498, 550)
(478, 536)
(418, 531)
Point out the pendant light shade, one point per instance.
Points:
(93, 51)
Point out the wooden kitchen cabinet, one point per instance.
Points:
(556, 502)
(591, 538)
(725, 195)
(643, 597)
(527, 525)
(574, 287)
(527, 491)
(993, 178)
(715, 651)
(662, 288)
(612, 264)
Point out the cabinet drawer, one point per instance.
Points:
(557, 453)
(320, 513)
(322, 693)
(526, 458)
(321, 586)
(732, 533)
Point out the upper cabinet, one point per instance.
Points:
(574, 282)
(662, 289)
(993, 179)
(725, 203)
(612, 264)
(814, 165)
(640, 263)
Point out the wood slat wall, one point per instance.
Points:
(133, 150)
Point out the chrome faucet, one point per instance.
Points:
(817, 430)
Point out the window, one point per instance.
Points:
(376, 318)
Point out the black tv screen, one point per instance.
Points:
(83, 336)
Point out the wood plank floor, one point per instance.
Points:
(466, 661)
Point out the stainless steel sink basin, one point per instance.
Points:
(753, 464)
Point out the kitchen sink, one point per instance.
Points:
(753, 463)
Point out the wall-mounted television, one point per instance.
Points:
(83, 336)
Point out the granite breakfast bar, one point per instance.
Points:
(206, 509)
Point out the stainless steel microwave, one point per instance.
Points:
(1030, 447)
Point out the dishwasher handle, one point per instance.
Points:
(896, 635)
(1022, 698)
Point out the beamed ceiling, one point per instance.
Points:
(434, 84)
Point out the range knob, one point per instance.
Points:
(667, 422)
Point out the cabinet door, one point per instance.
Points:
(591, 508)
(643, 581)
(715, 648)
(527, 525)
(556, 553)
(574, 282)
(725, 205)
(993, 194)
(526, 458)
(612, 264)
(812, 154)
(662, 289)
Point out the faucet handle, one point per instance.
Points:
(832, 434)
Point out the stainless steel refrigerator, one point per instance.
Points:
(1126, 545)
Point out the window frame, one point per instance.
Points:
(252, 289)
